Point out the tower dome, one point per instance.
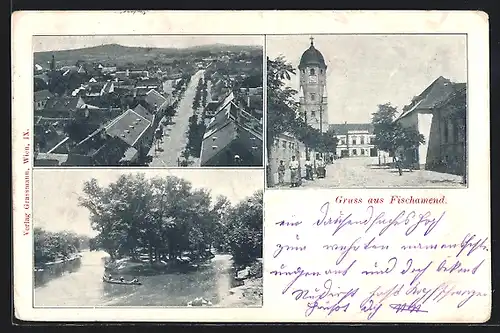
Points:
(313, 57)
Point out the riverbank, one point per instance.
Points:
(142, 265)
(250, 292)
(43, 265)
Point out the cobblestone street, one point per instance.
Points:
(364, 172)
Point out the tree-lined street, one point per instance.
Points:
(174, 140)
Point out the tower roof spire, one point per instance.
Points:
(312, 57)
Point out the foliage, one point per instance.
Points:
(391, 135)
(244, 229)
(77, 129)
(196, 130)
(197, 101)
(51, 246)
(384, 127)
(166, 217)
(281, 106)
(60, 84)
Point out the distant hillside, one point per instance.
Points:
(116, 53)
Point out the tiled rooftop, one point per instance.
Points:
(129, 127)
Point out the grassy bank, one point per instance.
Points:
(250, 293)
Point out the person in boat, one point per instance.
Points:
(135, 280)
(122, 279)
(110, 277)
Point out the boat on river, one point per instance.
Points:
(133, 283)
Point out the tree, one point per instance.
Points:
(51, 246)
(281, 105)
(244, 229)
(166, 218)
(391, 135)
(385, 128)
(408, 137)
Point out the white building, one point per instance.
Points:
(354, 140)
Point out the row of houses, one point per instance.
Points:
(233, 134)
(111, 135)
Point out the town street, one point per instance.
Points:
(364, 172)
(175, 138)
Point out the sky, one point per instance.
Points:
(56, 43)
(367, 70)
(56, 192)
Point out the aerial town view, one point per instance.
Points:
(158, 101)
(357, 111)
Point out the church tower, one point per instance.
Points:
(313, 98)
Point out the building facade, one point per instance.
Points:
(354, 140)
(313, 97)
(232, 132)
(283, 148)
(438, 113)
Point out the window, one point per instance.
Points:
(284, 144)
(313, 96)
(312, 72)
(321, 71)
(290, 145)
(313, 113)
(354, 152)
(342, 142)
(367, 140)
(362, 152)
(354, 141)
(362, 141)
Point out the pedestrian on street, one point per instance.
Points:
(281, 173)
(294, 174)
(398, 159)
(161, 132)
(320, 167)
(157, 139)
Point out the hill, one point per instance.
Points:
(119, 54)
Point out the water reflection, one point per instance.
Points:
(56, 270)
(82, 285)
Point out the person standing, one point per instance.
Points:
(160, 128)
(294, 172)
(281, 173)
(320, 167)
(399, 162)
(237, 160)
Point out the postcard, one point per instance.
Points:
(251, 166)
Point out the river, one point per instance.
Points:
(83, 286)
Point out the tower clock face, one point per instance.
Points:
(313, 79)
